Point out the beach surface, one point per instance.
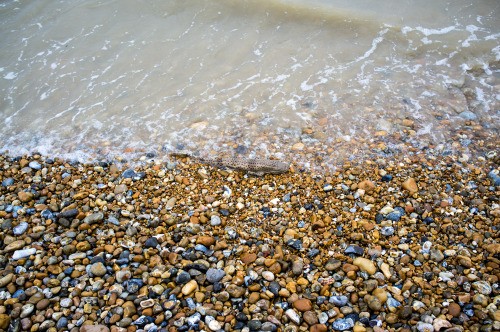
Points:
(408, 242)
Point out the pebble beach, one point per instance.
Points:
(404, 243)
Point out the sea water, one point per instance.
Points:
(94, 79)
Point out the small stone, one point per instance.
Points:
(424, 327)
(215, 275)
(21, 228)
(365, 265)
(69, 214)
(342, 324)
(120, 189)
(454, 309)
(310, 318)
(298, 267)
(189, 287)
(35, 165)
(4, 321)
(129, 309)
(215, 220)
(268, 276)
(42, 304)
(354, 249)
(4, 281)
(303, 305)
(93, 218)
(373, 303)
(339, 300)
(98, 269)
(298, 146)
(366, 185)
(235, 291)
(294, 317)
(16, 245)
(436, 255)
(206, 240)
(94, 328)
(319, 328)
(152, 242)
(439, 324)
(25, 197)
(18, 254)
(254, 325)
(183, 278)
(410, 185)
(248, 258)
(381, 294)
(8, 182)
(482, 287)
(468, 115)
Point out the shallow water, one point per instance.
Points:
(87, 78)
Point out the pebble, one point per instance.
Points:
(215, 275)
(35, 165)
(8, 182)
(294, 317)
(342, 324)
(98, 269)
(19, 254)
(365, 265)
(425, 327)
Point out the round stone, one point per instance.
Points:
(35, 165)
(183, 278)
(152, 242)
(302, 305)
(215, 220)
(98, 269)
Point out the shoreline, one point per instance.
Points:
(399, 243)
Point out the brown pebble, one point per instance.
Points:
(319, 328)
(302, 305)
(248, 258)
(454, 309)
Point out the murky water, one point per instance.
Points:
(80, 78)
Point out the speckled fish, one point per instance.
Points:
(255, 166)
